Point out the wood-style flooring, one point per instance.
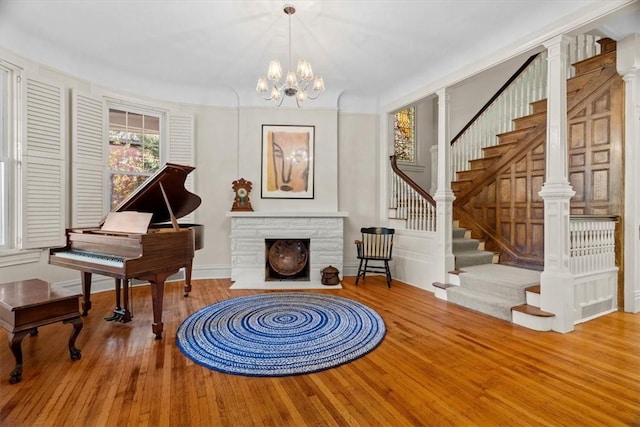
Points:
(439, 364)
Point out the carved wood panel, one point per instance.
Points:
(596, 154)
(509, 208)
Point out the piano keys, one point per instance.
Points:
(123, 252)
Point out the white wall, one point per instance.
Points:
(228, 147)
(358, 179)
(249, 148)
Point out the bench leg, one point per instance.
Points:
(15, 344)
(77, 327)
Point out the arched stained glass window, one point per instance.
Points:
(404, 135)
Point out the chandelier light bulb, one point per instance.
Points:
(291, 85)
(275, 70)
(304, 70)
(318, 84)
(263, 86)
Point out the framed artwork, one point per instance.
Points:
(287, 161)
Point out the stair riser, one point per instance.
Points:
(533, 298)
(459, 245)
(459, 233)
(532, 322)
(477, 259)
(492, 308)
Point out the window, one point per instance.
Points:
(134, 151)
(404, 135)
(9, 76)
(4, 158)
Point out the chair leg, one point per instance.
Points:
(386, 267)
(359, 271)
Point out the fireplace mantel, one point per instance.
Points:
(250, 229)
(287, 214)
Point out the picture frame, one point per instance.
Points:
(288, 162)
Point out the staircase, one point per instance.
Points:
(468, 251)
(498, 214)
(497, 197)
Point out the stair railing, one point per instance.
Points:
(593, 244)
(592, 263)
(511, 101)
(410, 201)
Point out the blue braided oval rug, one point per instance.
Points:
(279, 334)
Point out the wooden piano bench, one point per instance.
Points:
(29, 304)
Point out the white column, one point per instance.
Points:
(556, 281)
(628, 64)
(434, 169)
(444, 196)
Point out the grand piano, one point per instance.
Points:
(140, 239)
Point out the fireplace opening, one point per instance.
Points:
(287, 259)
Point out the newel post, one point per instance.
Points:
(444, 196)
(556, 281)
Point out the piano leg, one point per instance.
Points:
(127, 313)
(156, 280)
(86, 292)
(187, 278)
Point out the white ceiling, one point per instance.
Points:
(361, 48)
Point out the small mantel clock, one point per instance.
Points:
(241, 201)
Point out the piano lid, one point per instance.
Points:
(148, 197)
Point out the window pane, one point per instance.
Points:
(123, 185)
(4, 160)
(404, 132)
(134, 151)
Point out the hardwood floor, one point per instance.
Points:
(439, 364)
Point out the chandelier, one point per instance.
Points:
(296, 84)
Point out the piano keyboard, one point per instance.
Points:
(102, 259)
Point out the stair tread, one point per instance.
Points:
(442, 285)
(533, 289)
(532, 310)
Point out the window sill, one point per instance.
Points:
(12, 257)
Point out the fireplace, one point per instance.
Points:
(254, 233)
(286, 259)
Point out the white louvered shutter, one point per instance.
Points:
(181, 148)
(88, 158)
(43, 162)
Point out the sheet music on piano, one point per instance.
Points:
(140, 239)
(127, 222)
